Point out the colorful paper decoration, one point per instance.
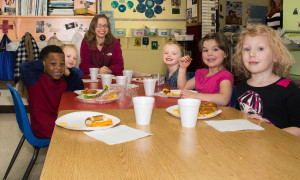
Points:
(149, 3)
(130, 4)
(5, 26)
(114, 4)
(150, 7)
(149, 13)
(158, 9)
(145, 41)
(138, 42)
(122, 8)
(154, 45)
(141, 8)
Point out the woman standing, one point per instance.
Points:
(274, 17)
(100, 48)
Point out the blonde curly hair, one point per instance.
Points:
(285, 59)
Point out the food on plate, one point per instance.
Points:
(63, 124)
(207, 108)
(96, 121)
(176, 111)
(166, 91)
(75, 126)
(106, 96)
(139, 79)
(89, 91)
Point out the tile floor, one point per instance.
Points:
(9, 138)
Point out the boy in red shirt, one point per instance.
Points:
(45, 80)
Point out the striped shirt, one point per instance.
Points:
(275, 21)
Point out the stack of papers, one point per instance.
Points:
(233, 125)
(117, 134)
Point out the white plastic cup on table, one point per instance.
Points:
(121, 80)
(149, 86)
(189, 109)
(160, 78)
(106, 79)
(143, 107)
(94, 73)
(128, 74)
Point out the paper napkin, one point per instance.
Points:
(117, 134)
(233, 125)
(89, 80)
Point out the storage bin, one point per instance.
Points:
(175, 32)
(137, 32)
(183, 32)
(150, 32)
(120, 32)
(185, 38)
(162, 32)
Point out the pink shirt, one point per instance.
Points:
(211, 84)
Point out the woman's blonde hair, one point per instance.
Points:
(284, 58)
(90, 35)
(174, 42)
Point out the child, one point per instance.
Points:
(215, 83)
(45, 80)
(172, 52)
(266, 95)
(71, 56)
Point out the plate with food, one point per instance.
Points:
(141, 79)
(87, 121)
(172, 93)
(88, 92)
(206, 111)
(107, 97)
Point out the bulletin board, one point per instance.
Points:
(291, 15)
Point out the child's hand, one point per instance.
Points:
(187, 94)
(256, 116)
(67, 71)
(104, 70)
(185, 61)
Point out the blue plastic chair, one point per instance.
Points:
(25, 128)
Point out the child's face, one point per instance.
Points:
(171, 54)
(212, 55)
(257, 54)
(54, 65)
(70, 57)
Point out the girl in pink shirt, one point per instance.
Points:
(215, 83)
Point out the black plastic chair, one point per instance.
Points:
(25, 128)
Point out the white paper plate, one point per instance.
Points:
(78, 119)
(173, 91)
(93, 101)
(171, 108)
(78, 92)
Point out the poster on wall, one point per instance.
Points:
(192, 11)
(9, 7)
(233, 13)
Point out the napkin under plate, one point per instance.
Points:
(233, 125)
(117, 134)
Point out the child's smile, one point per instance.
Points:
(54, 65)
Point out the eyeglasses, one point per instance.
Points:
(102, 26)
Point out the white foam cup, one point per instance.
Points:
(128, 73)
(106, 79)
(94, 73)
(189, 109)
(149, 86)
(143, 107)
(121, 80)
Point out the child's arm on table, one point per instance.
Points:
(31, 71)
(221, 99)
(74, 82)
(184, 62)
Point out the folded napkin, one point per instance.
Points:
(89, 80)
(233, 125)
(160, 94)
(117, 134)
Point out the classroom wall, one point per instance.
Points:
(244, 9)
(142, 58)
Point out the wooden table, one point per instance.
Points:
(174, 152)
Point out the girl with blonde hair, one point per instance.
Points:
(264, 60)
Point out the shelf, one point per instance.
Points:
(19, 16)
